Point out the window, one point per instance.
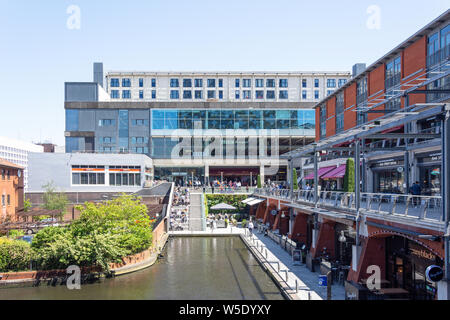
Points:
(270, 83)
(3, 174)
(304, 83)
(115, 94)
(304, 94)
(198, 83)
(270, 94)
(329, 92)
(342, 82)
(174, 83)
(108, 140)
(323, 120)
(237, 94)
(174, 94)
(139, 140)
(8, 174)
(340, 112)
(106, 122)
(361, 91)
(139, 122)
(211, 94)
(283, 83)
(259, 94)
(8, 201)
(331, 83)
(247, 94)
(236, 83)
(153, 94)
(141, 94)
(283, 94)
(247, 83)
(198, 94)
(220, 94)
(187, 83)
(141, 83)
(259, 83)
(126, 94)
(316, 83)
(393, 72)
(153, 83)
(316, 94)
(187, 94)
(126, 82)
(211, 83)
(3, 200)
(114, 82)
(220, 83)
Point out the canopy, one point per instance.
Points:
(255, 201)
(223, 206)
(320, 172)
(248, 200)
(336, 173)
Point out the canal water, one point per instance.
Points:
(192, 268)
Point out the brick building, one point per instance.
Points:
(11, 190)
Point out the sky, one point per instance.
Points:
(45, 43)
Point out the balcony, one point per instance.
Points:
(426, 209)
(392, 81)
(438, 57)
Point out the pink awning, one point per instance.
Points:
(320, 172)
(339, 172)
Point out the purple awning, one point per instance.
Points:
(320, 172)
(339, 172)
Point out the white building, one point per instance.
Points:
(16, 151)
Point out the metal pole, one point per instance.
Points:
(357, 188)
(406, 155)
(363, 166)
(445, 131)
(316, 179)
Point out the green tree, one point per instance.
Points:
(349, 177)
(258, 182)
(294, 179)
(26, 204)
(54, 200)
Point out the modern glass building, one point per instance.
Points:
(198, 126)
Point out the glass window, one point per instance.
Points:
(283, 94)
(71, 120)
(236, 83)
(329, 92)
(220, 83)
(220, 94)
(270, 83)
(342, 82)
(141, 82)
(153, 83)
(283, 83)
(270, 94)
(237, 94)
(259, 83)
(126, 82)
(316, 83)
(247, 83)
(211, 83)
(247, 94)
(115, 94)
(187, 83)
(141, 94)
(174, 83)
(316, 94)
(331, 83)
(259, 94)
(153, 94)
(114, 82)
(211, 94)
(304, 94)
(198, 94)
(76, 178)
(304, 83)
(187, 94)
(126, 94)
(174, 94)
(198, 83)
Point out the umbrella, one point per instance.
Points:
(223, 206)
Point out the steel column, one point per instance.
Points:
(316, 178)
(445, 131)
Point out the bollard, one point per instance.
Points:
(296, 286)
(278, 262)
(309, 295)
(287, 275)
(266, 254)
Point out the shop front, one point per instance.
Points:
(388, 175)
(246, 175)
(429, 166)
(406, 264)
(182, 176)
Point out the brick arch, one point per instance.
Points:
(268, 217)
(389, 233)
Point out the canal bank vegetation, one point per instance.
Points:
(105, 233)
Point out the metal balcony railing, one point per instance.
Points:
(438, 57)
(400, 205)
(393, 80)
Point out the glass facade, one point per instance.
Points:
(123, 130)
(71, 120)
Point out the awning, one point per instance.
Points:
(339, 172)
(256, 201)
(320, 173)
(248, 200)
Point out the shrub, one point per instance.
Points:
(294, 179)
(349, 177)
(15, 255)
(258, 182)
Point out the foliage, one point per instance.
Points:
(349, 177)
(26, 205)
(14, 234)
(294, 179)
(14, 255)
(244, 223)
(258, 182)
(232, 199)
(40, 218)
(104, 233)
(54, 200)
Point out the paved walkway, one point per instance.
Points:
(195, 212)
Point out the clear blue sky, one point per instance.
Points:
(38, 53)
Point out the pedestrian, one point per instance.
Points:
(250, 227)
(416, 190)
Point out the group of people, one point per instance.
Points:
(179, 217)
(227, 185)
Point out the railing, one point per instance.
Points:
(438, 56)
(393, 80)
(400, 205)
(229, 190)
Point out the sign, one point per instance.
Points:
(434, 273)
(273, 212)
(400, 169)
(322, 281)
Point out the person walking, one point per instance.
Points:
(416, 190)
(250, 227)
